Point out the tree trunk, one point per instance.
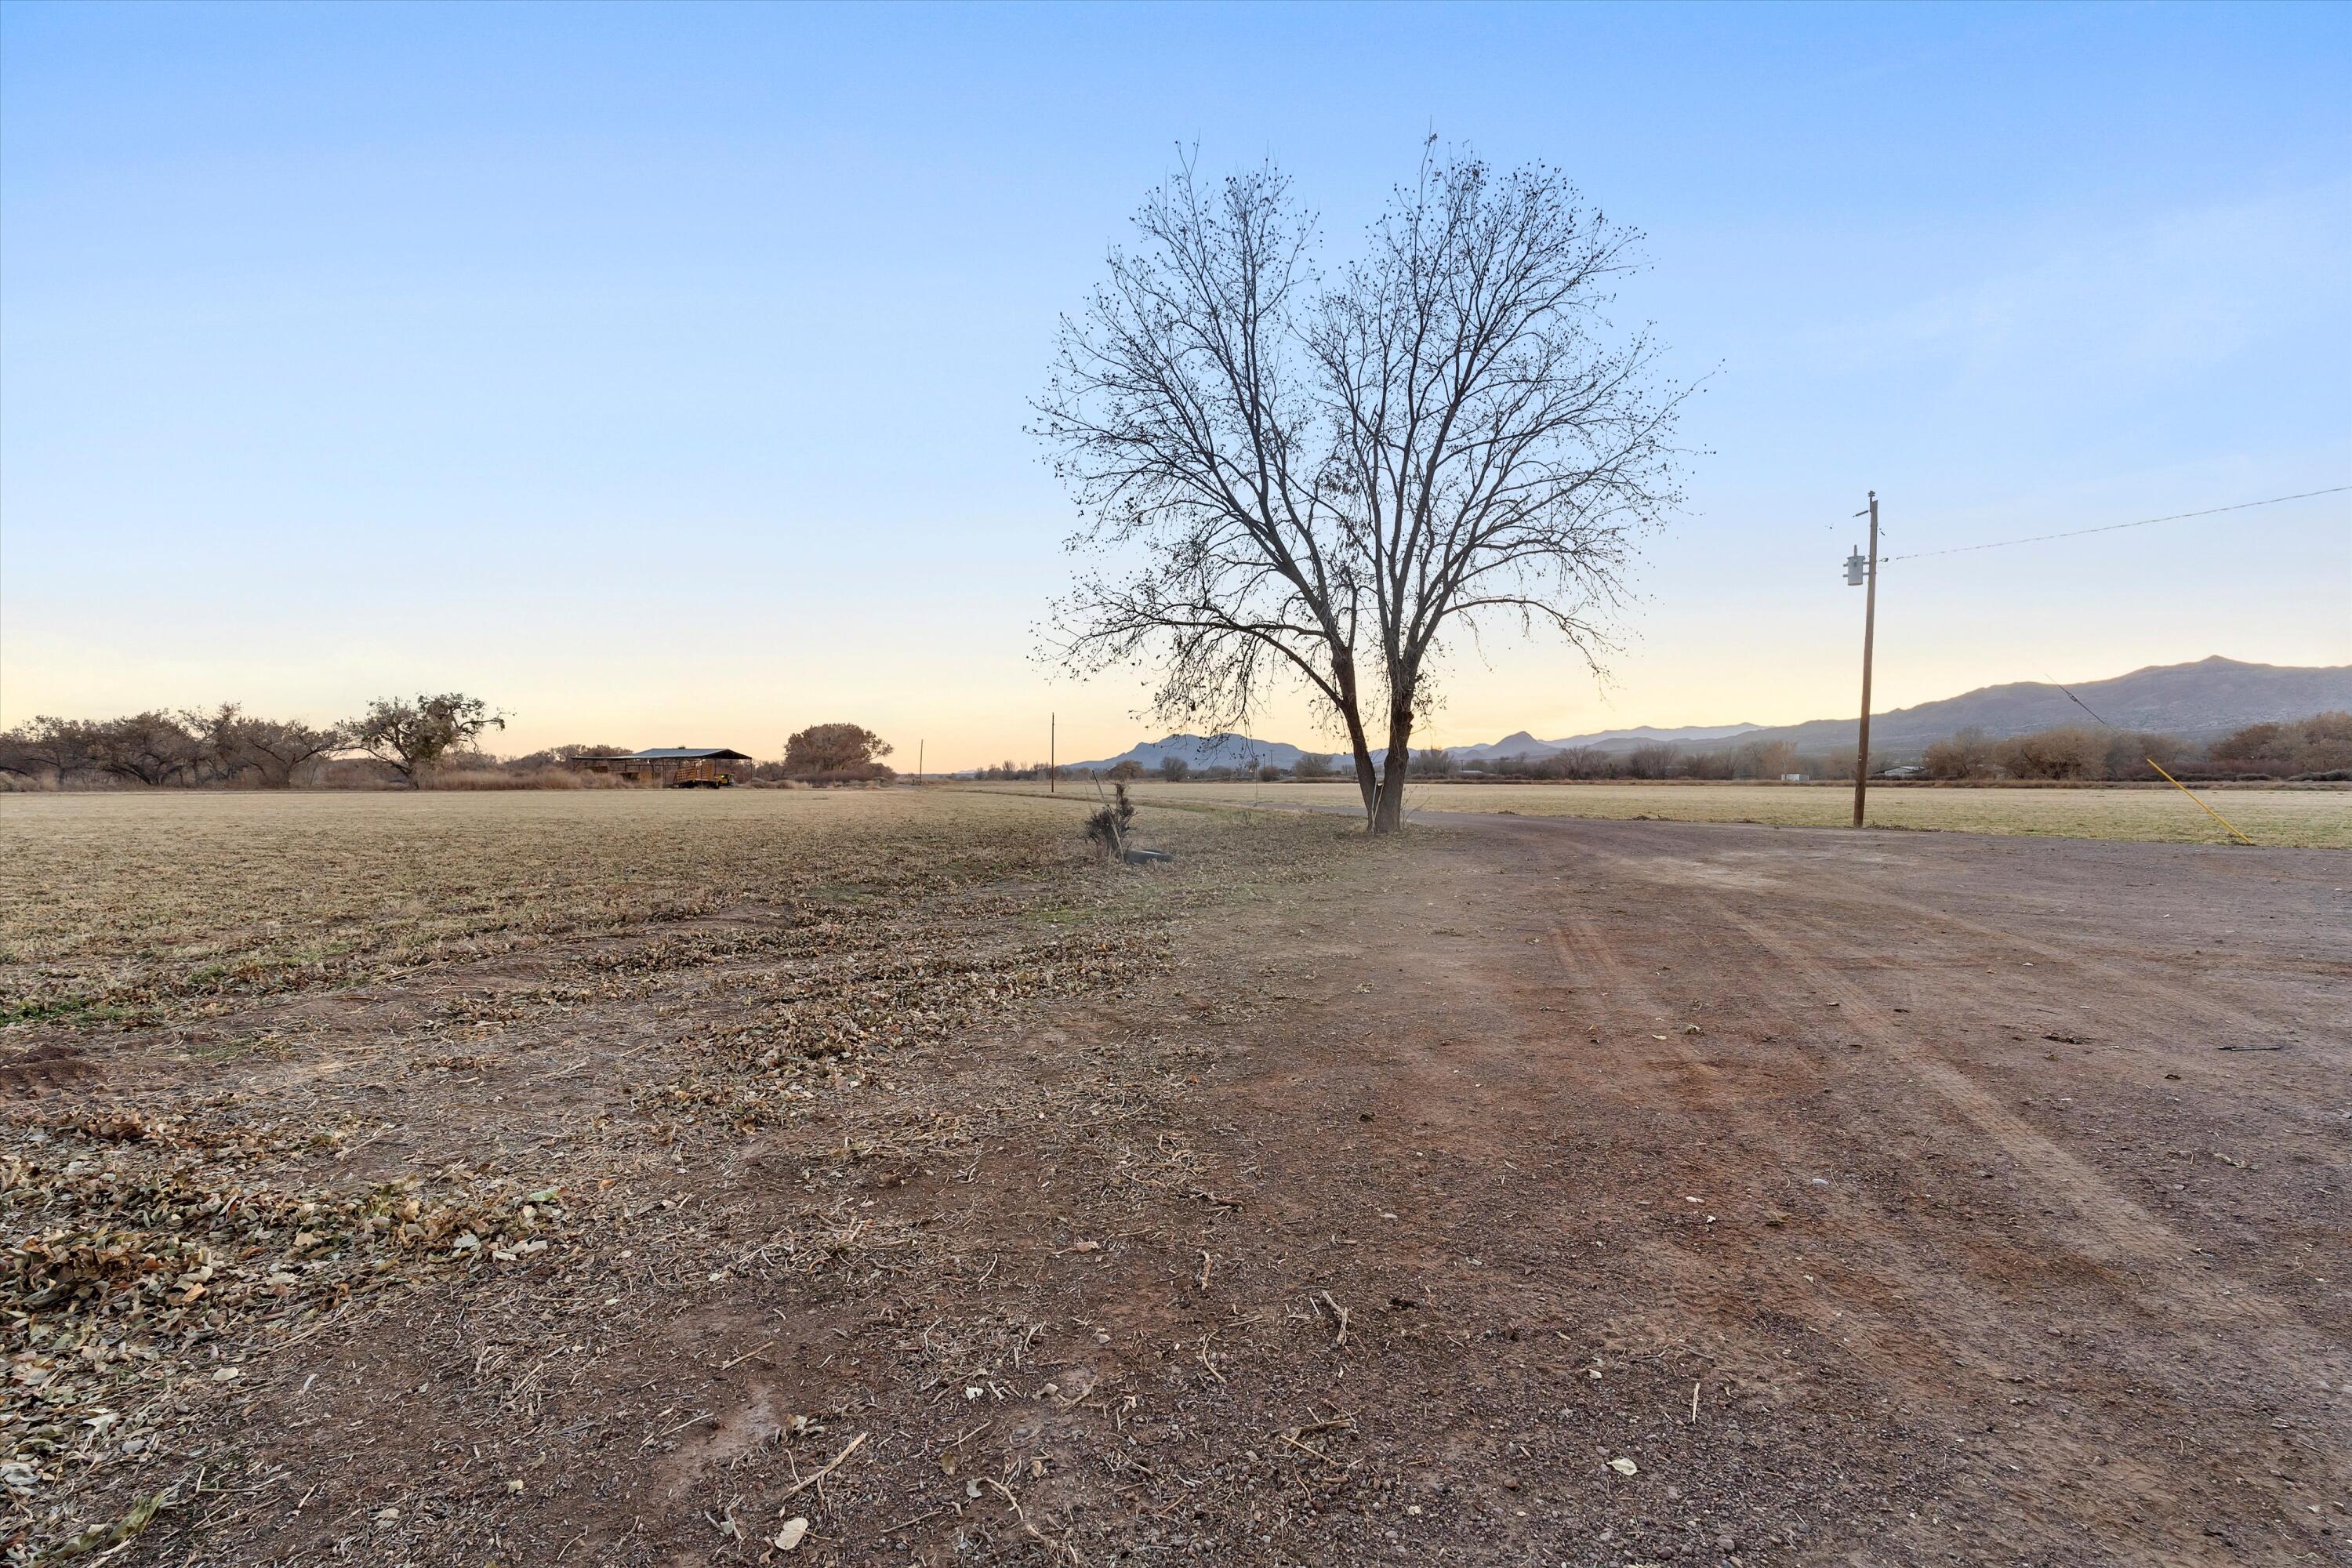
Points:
(1366, 780)
(1388, 816)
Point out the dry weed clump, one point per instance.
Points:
(149, 1260)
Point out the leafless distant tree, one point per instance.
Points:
(235, 743)
(837, 754)
(412, 737)
(150, 748)
(46, 750)
(1282, 477)
(1966, 755)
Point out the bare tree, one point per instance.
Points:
(150, 748)
(1329, 483)
(1966, 755)
(1764, 759)
(411, 737)
(46, 750)
(214, 754)
(2064, 752)
(272, 749)
(837, 754)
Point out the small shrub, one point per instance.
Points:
(1106, 829)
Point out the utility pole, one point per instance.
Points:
(1053, 755)
(1863, 574)
(919, 762)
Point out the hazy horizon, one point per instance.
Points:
(660, 374)
(1695, 729)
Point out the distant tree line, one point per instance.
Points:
(406, 738)
(1756, 759)
(2316, 748)
(397, 741)
(2319, 747)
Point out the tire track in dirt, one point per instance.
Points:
(1907, 1334)
(2155, 1003)
(2152, 1276)
(2109, 1227)
(1896, 1339)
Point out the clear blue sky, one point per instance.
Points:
(659, 372)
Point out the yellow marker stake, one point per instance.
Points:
(2201, 804)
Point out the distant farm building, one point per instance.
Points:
(673, 767)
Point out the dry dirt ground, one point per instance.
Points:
(1532, 1192)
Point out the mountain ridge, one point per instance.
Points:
(2200, 700)
(2197, 701)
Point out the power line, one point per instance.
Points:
(2077, 702)
(2112, 527)
(2235, 831)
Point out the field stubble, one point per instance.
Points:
(273, 1063)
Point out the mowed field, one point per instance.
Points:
(874, 1176)
(272, 1065)
(2310, 817)
(153, 905)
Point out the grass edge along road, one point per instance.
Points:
(2301, 817)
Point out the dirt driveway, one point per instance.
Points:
(1881, 1197)
(1530, 1191)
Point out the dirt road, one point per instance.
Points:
(1530, 1191)
(1914, 1198)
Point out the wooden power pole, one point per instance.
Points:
(1052, 754)
(1869, 630)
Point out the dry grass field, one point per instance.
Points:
(2307, 817)
(763, 1178)
(244, 1041)
(146, 906)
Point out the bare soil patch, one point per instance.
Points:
(1528, 1192)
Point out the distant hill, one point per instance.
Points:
(2198, 701)
(1524, 744)
(1202, 752)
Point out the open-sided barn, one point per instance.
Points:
(673, 767)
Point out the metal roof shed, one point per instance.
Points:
(684, 767)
